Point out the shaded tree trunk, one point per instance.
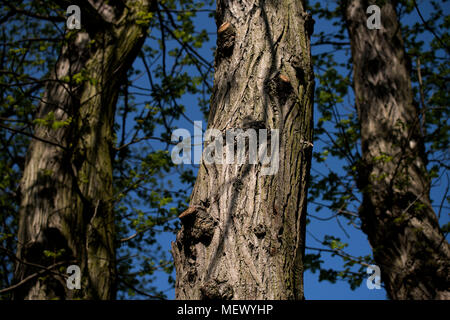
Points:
(243, 237)
(66, 210)
(396, 213)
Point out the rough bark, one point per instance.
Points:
(67, 186)
(244, 237)
(396, 213)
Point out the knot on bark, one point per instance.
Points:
(191, 274)
(238, 185)
(260, 231)
(226, 35)
(248, 122)
(214, 289)
(198, 225)
(280, 88)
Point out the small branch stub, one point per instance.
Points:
(284, 78)
(189, 211)
(225, 41)
(223, 27)
(282, 88)
(307, 144)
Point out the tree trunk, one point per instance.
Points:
(243, 237)
(66, 211)
(396, 213)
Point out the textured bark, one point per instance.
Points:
(67, 189)
(244, 239)
(396, 212)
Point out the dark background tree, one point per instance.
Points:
(34, 35)
(394, 151)
(67, 192)
(396, 211)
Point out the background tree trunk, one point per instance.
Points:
(245, 239)
(66, 188)
(397, 216)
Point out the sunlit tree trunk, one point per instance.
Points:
(396, 213)
(244, 235)
(66, 211)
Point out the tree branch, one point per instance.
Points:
(27, 13)
(444, 46)
(32, 276)
(32, 136)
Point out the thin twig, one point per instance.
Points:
(32, 136)
(139, 291)
(30, 277)
(429, 28)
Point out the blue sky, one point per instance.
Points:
(358, 241)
